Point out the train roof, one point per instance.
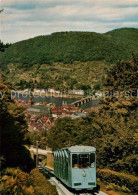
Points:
(74, 149)
(81, 149)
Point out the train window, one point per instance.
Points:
(84, 160)
(74, 161)
(92, 159)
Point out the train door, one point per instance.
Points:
(69, 170)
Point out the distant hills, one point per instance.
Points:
(68, 47)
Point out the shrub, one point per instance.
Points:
(126, 182)
(41, 185)
(14, 181)
(118, 188)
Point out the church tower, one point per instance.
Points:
(30, 100)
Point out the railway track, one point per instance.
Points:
(61, 188)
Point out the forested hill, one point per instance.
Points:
(67, 47)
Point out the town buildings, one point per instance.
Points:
(42, 116)
(76, 92)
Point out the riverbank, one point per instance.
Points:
(47, 94)
(50, 98)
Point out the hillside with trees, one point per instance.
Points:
(4, 46)
(14, 181)
(78, 75)
(16, 164)
(112, 130)
(12, 131)
(62, 60)
(68, 47)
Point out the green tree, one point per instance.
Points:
(12, 130)
(113, 130)
(4, 46)
(61, 135)
(118, 118)
(14, 181)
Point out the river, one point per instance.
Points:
(59, 101)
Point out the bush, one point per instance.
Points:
(41, 185)
(126, 182)
(14, 181)
(112, 186)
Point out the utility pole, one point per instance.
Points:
(37, 154)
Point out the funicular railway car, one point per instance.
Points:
(75, 166)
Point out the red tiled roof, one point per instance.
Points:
(45, 118)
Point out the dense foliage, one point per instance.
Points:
(41, 185)
(113, 129)
(12, 130)
(118, 181)
(67, 47)
(67, 60)
(78, 75)
(4, 46)
(13, 153)
(14, 181)
(32, 137)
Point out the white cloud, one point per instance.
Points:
(99, 2)
(115, 13)
(48, 28)
(112, 2)
(47, 16)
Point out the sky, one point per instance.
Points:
(24, 19)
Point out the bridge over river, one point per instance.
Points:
(83, 101)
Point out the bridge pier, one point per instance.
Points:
(79, 104)
(85, 101)
(82, 101)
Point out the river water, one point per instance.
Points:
(59, 101)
